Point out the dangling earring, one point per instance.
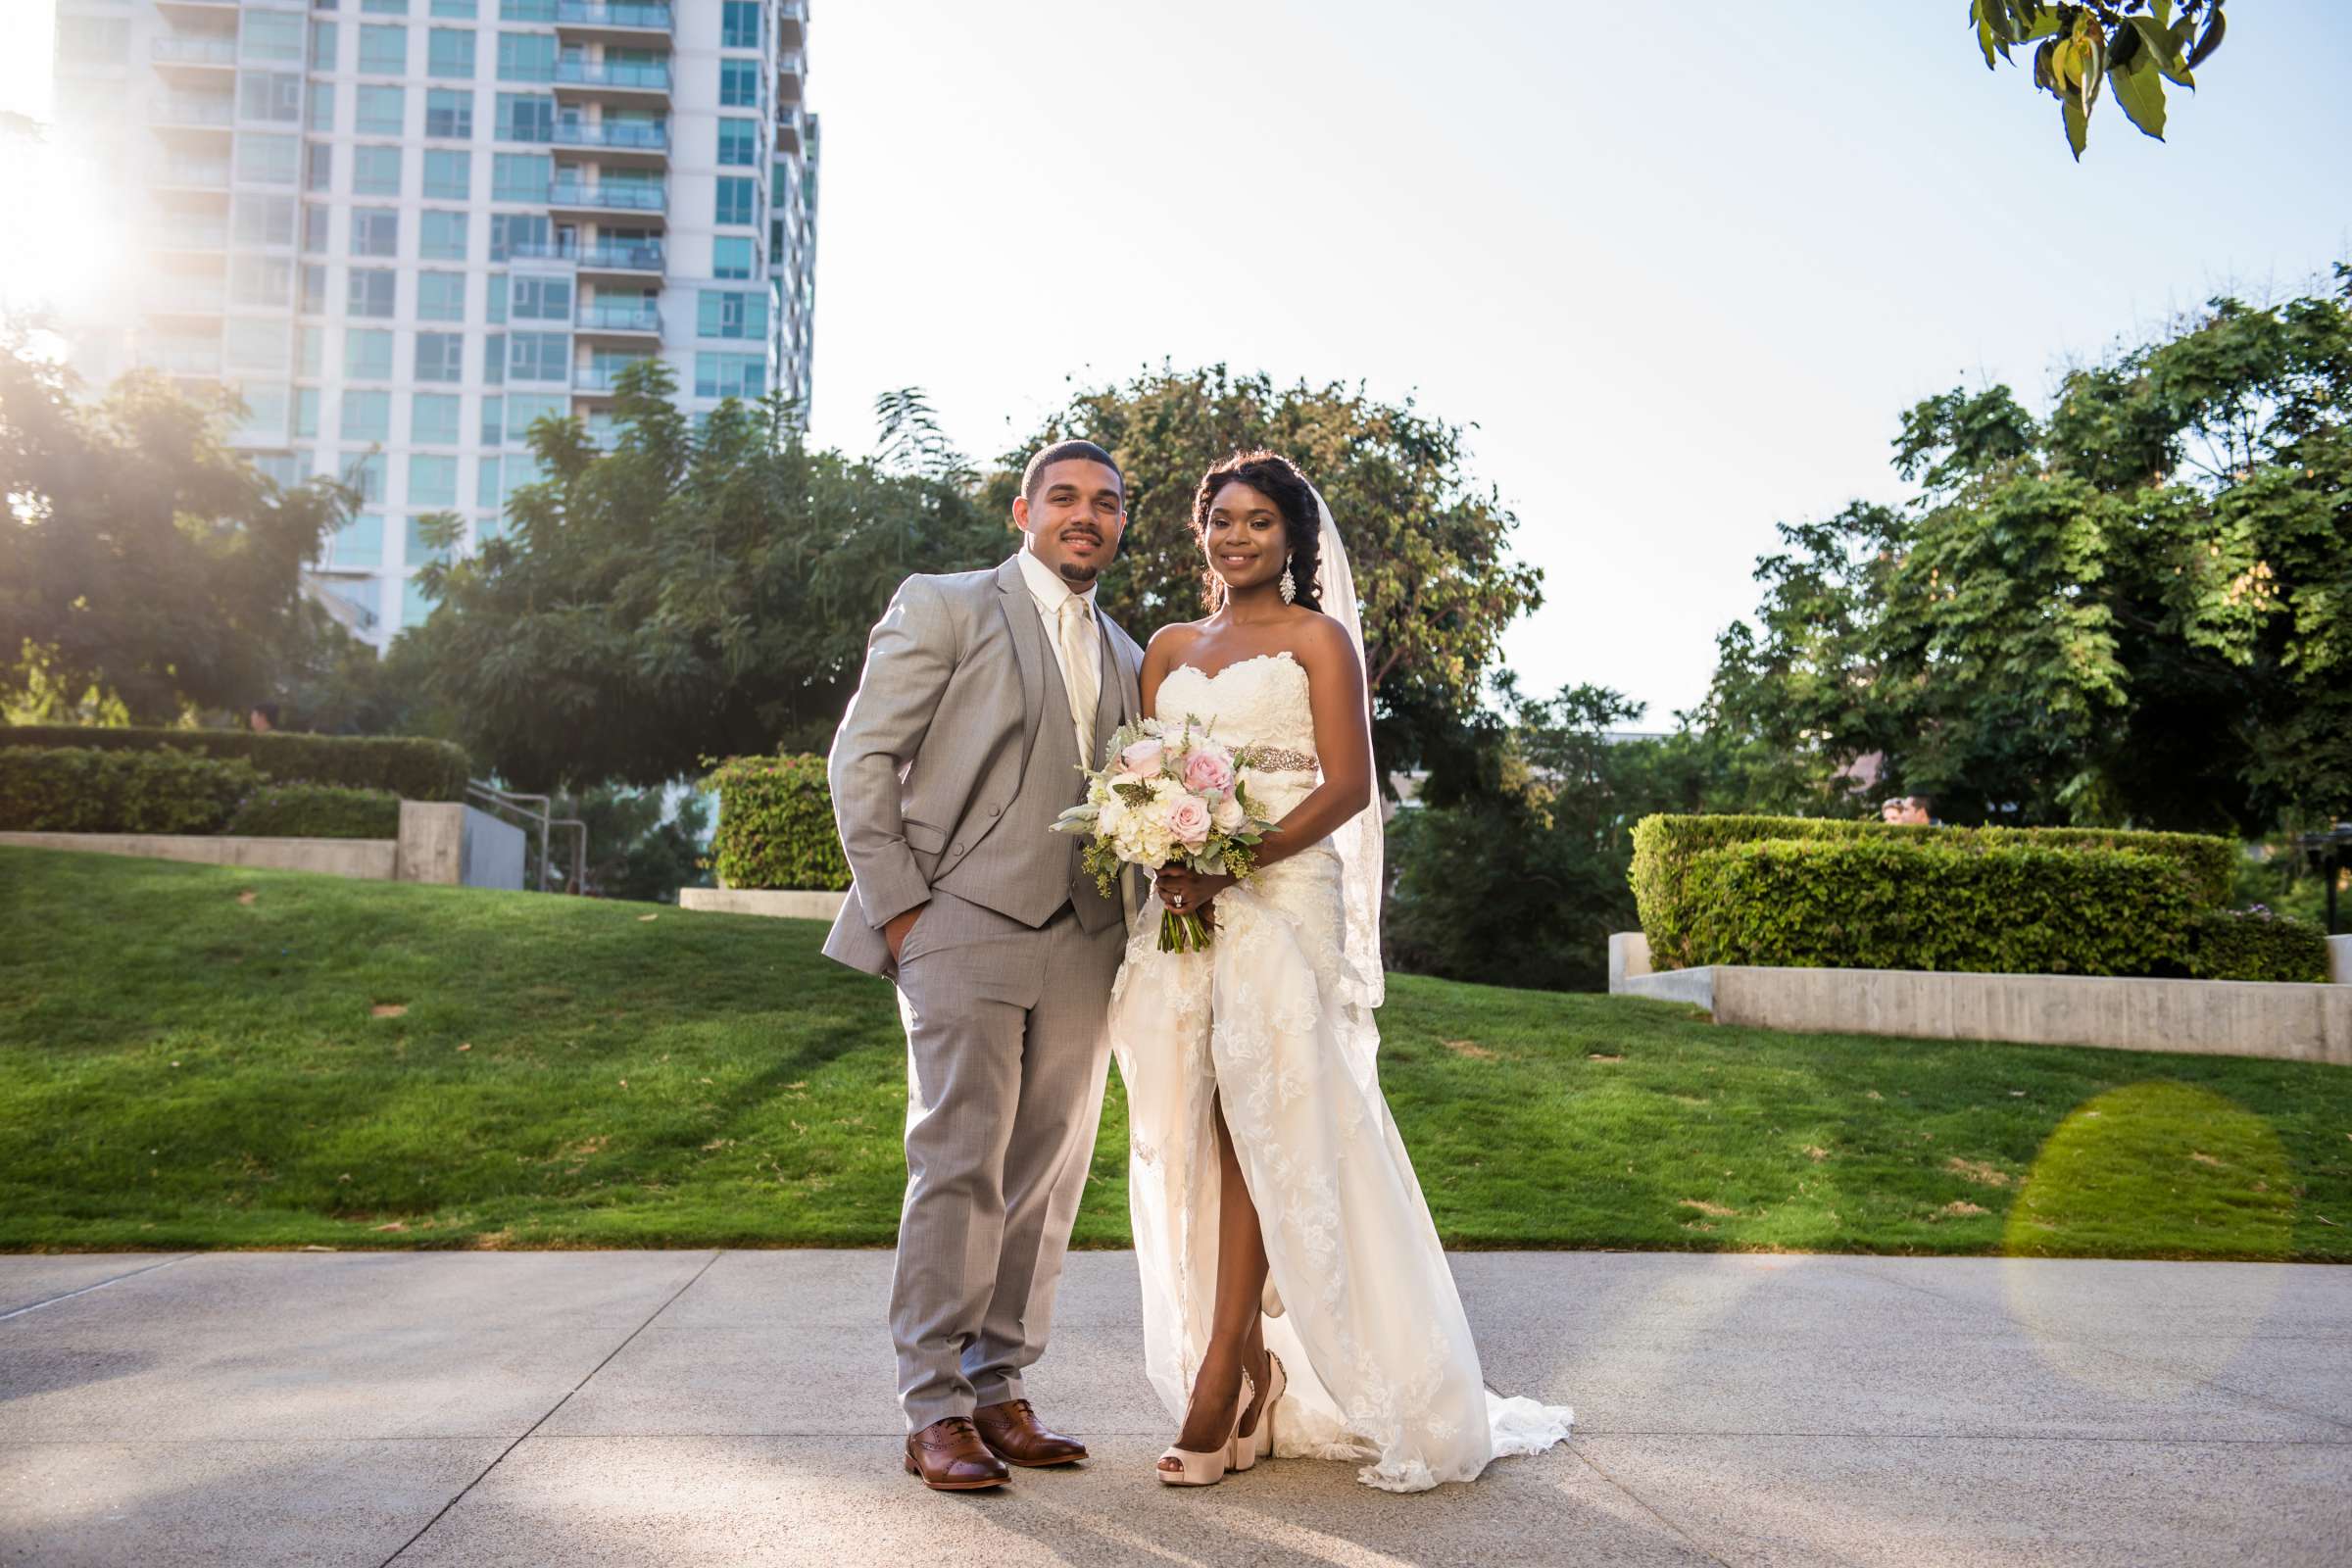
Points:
(1288, 589)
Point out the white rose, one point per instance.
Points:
(1229, 815)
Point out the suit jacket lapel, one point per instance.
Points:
(1028, 646)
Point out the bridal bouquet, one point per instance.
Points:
(1169, 793)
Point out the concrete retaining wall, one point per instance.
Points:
(2217, 1017)
(792, 904)
(370, 859)
(456, 845)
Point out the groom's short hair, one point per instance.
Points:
(1062, 451)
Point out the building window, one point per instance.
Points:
(739, 141)
(494, 422)
(364, 471)
(441, 296)
(384, 51)
(449, 114)
(416, 605)
(494, 357)
(269, 95)
(448, 174)
(538, 357)
(449, 53)
(314, 230)
(319, 166)
(309, 351)
(739, 24)
(258, 343)
(271, 36)
(526, 57)
(368, 355)
(518, 235)
(541, 299)
(739, 83)
(433, 418)
(498, 297)
(264, 159)
(375, 232)
(314, 291)
(320, 116)
(368, 417)
(526, 10)
(358, 542)
(456, 10)
(371, 292)
(387, 7)
(264, 219)
(433, 482)
(441, 236)
(440, 357)
(727, 313)
(738, 199)
(486, 491)
(519, 176)
(260, 281)
(306, 413)
(376, 171)
(524, 117)
(730, 375)
(731, 256)
(381, 110)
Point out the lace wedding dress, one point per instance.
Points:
(1276, 1022)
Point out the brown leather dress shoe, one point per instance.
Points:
(949, 1457)
(1013, 1433)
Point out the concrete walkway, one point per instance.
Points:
(734, 1407)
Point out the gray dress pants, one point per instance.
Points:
(1007, 1054)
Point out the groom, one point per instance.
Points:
(983, 694)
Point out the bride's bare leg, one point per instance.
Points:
(1236, 1330)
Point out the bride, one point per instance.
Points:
(1295, 1300)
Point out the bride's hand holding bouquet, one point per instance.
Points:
(1174, 801)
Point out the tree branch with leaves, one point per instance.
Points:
(2131, 46)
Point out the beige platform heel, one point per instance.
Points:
(1259, 1443)
(1207, 1468)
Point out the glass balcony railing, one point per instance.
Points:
(619, 256)
(610, 198)
(185, 301)
(191, 360)
(195, 176)
(193, 237)
(598, 378)
(623, 134)
(618, 316)
(185, 50)
(183, 110)
(601, 13)
(637, 76)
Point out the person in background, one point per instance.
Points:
(262, 718)
(1910, 810)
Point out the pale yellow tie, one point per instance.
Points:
(1078, 677)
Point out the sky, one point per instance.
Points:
(1678, 269)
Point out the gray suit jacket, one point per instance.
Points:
(937, 743)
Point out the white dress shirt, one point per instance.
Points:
(1051, 593)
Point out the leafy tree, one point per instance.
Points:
(687, 593)
(2133, 46)
(2134, 612)
(146, 569)
(1429, 548)
(1514, 872)
(634, 852)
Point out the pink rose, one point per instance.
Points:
(1208, 769)
(1188, 821)
(1141, 759)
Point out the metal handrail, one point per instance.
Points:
(496, 799)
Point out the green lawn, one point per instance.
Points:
(208, 1058)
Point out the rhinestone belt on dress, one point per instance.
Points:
(1274, 760)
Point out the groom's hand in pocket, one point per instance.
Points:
(894, 929)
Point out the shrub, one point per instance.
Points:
(2254, 944)
(72, 790)
(1666, 848)
(409, 766)
(775, 824)
(316, 811)
(1875, 902)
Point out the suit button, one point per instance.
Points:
(955, 849)
(994, 810)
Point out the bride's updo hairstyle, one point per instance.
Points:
(1276, 477)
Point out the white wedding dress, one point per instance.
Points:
(1276, 1020)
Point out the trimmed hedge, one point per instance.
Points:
(79, 790)
(775, 824)
(316, 811)
(1876, 903)
(409, 766)
(2256, 945)
(1666, 849)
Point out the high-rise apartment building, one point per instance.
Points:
(405, 229)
